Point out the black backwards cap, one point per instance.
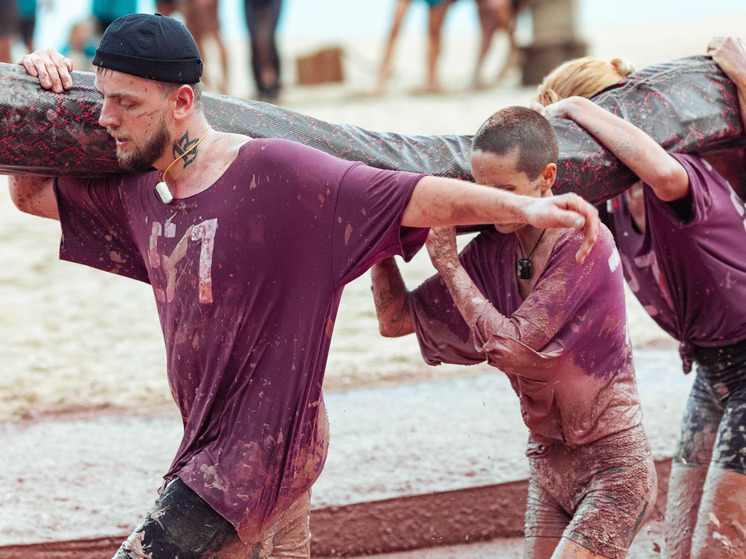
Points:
(154, 47)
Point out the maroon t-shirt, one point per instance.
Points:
(565, 348)
(688, 271)
(248, 275)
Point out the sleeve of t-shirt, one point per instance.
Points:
(701, 175)
(442, 332)
(367, 223)
(95, 231)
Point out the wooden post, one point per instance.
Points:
(556, 39)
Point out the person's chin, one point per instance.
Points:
(133, 165)
(506, 228)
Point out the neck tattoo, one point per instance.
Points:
(525, 267)
(162, 188)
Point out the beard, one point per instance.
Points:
(141, 158)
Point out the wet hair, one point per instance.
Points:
(583, 77)
(523, 129)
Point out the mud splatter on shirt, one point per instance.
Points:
(247, 276)
(567, 353)
(689, 272)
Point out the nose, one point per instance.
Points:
(107, 118)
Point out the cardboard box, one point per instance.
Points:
(324, 66)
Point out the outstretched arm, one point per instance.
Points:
(730, 54)
(638, 151)
(438, 201)
(390, 296)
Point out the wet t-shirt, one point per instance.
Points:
(566, 349)
(689, 272)
(247, 275)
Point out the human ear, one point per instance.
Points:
(184, 101)
(548, 175)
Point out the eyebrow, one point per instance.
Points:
(116, 94)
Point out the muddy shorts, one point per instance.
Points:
(182, 525)
(597, 495)
(716, 411)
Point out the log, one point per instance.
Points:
(687, 105)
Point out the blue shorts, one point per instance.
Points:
(713, 429)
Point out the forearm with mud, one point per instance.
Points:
(390, 297)
(469, 300)
(512, 345)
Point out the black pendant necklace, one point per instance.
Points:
(525, 267)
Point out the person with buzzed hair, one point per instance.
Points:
(517, 298)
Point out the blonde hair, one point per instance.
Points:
(583, 77)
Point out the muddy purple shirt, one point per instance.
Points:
(248, 276)
(689, 272)
(567, 354)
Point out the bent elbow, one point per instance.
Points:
(33, 195)
(395, 326)
(384, 331)
(389, 329)
(23, 202)
(17, 195)
(672, 184)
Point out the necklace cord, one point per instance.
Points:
(162, 177)
(533, 249)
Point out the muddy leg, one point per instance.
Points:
(697, 437)
(684, 495)
(721, 525)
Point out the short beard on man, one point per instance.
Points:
(141, 159)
